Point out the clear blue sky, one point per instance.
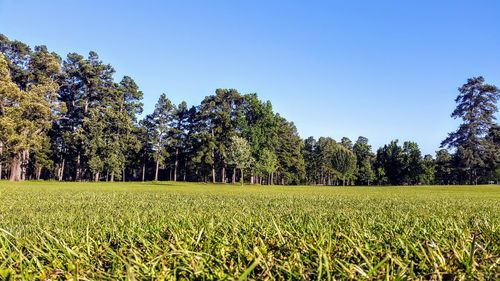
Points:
(381, 69)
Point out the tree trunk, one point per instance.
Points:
(38, 173)
(15, 168)
(96, 177)
(78, 172)
(241, 179)
(213, 174)
(143, 170)
(184, 171)
(61, 171)
(234, 175)
(86, 106)
(123, 174)
(213, 157)
(157, 167)
(175, 164)
(112, 177)
(24, 164)
(223, 174)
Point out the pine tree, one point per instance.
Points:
(291, 166)
(158, 126)
(219, 115)
(311, 160)
(364, 158)
(476, 106)
(179, 136)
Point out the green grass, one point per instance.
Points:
(149, 231)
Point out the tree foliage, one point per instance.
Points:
(240, 154)
(71, 120)
(476, 106)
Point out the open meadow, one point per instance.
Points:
(108, 231)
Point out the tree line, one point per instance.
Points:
(69, 119)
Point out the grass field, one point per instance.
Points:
(150, 231)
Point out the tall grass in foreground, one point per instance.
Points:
(195, 231)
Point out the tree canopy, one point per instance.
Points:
(69, 119)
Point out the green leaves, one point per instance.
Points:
(239, 153)
(398, 165)
(25, 116)
(344, 161)
(476, 106)
(365, 159)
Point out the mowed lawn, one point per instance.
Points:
(51, 230)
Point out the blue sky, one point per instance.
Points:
(381, 69)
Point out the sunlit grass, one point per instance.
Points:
(203, 231)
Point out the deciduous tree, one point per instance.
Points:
(240, 155)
